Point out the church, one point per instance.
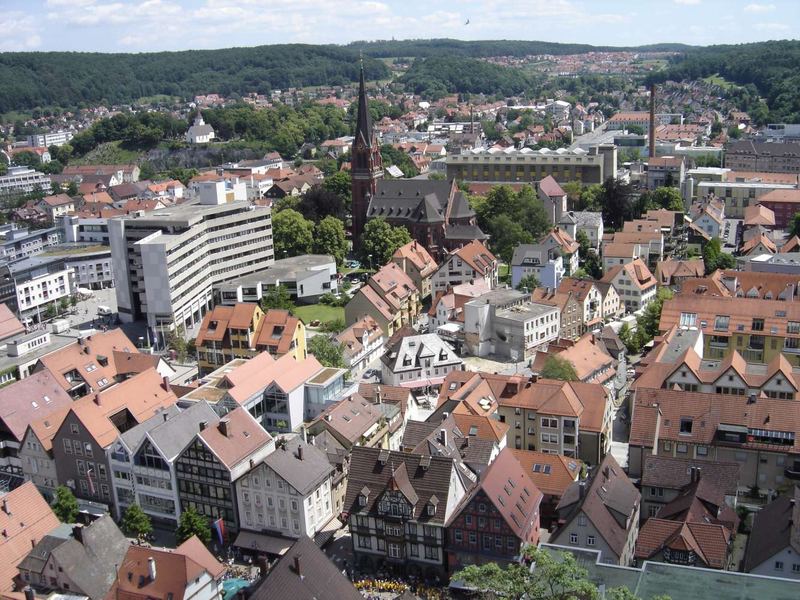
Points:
(436, 213)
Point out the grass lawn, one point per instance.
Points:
(109, 153)
(321, 312)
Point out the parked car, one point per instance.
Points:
(352, 264)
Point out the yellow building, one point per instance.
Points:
(244, 330)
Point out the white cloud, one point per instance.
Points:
(91, 13)
(19, 32)
(686, 2)
(759, 8)
(772, 26)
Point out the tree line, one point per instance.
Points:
(78, 79)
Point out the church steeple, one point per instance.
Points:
(366, 166)
(363, 122)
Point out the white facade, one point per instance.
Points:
(419, 361)
(631, 294)
(200, 132)
(54, 138)
(23, 180)
(454, 271)
(44, 289)
(85, 229)
(785, 563)
(166, 262)
(221, 192)
(267, 501)
(93, 271)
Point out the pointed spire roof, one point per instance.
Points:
(364, 122)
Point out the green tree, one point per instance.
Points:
(318, 203)
(663, 197)
(50, 312)
(147, 171)
(794, 226)
(714, 258)
(630, 339)
(176, 340)
(65, 505)
(507, 234)
(522, 207)
(277, 297)
(584, 243)
(72, 188)
(617, 203)
(327, 351)
(554, 578)
(573, 190)
(63, 304)
(647, 322)
(556, 367)
(392, 156)
(292, 234)
(528, 283)
(340, 183)
(329, 238)
(192, 523)
(380, 240)
(135, 522)
(591, 198)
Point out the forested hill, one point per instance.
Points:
(68, 79)
(772, 67)
(436, 76)
(484, 48)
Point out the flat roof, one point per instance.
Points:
(294, 268)
(524, 312)
(325, 376)
(68, 250)
(57, 341)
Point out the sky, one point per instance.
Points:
(152, 25)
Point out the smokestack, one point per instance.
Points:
(300, 452)
(167, 387)
(151, 568)
(297, 568)
(443, 437)
(652, 135)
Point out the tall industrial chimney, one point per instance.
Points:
(651, 137)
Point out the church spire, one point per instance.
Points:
(363, 123)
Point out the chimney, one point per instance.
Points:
(328, 417)
(378, 394)
(5, 507)
(581, 489)
(77, 533)
(86, 350)
(97, 399)
(751, 399)
(203, 425)
(300, 452)
(697, 473)
(151, 568)
(443, 437)
(165, 414)
(534, 378)
(445, 415)
(29, 594)
(223, 427)
(652, 135)
(166, 385)
(297, 568)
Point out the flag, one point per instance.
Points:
(219, 527)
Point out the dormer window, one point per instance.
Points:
(362, 500)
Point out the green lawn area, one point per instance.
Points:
(321, 312)
(716, 79)
(109, 153)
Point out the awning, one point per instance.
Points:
(260, 542)
(324, 535)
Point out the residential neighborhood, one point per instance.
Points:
(406, 318)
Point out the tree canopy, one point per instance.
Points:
(65, 505)
(292, 234)
(329, 238)
(380, 240)
(135, 522)
(714, 258)
(69, 79)
(277, 297)
(192, 523)
(556, 367)
(328, 352)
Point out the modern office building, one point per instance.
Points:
(166, 262)
(28, 285)
(23, 180)
(54, 138)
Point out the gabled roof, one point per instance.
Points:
(87, 353)
(551, 473)
(674, 473)
(549, 187)
(759, 215)
(371, 470)
(318, 578)
(351, 417)
(708, 541)
(176, 570)
(352, 338)
(565, 398)
(143, 396)
(610, 499)
(302, 465)
(636, 271)
(9, 324)
(235, 437)
(262, 370)
(276, 331)
(477, 256)
(775, 528)
(25, 520)
(30, 400)
(512, 492)
(419, 256)
(372, 298)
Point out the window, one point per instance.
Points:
(473, 537)
(793, 327)
(394, 550)
(682, 448)
(582, 520)
(688, 319)
(652, 511)
(73, 429)
(468, 520)
(590, 540)
(758, 325)
(364, 542)
(779, 565)
(457, 536)
(795, 568)
(686, 426)
(431, 552)
(721, 322)
(702, 450)
(573, 538)
(68, 446)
